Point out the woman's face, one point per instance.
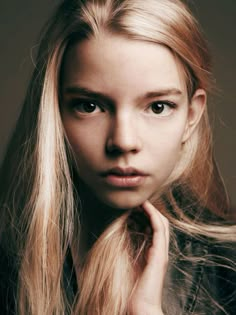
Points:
(126, 115)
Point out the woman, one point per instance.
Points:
(114, 156)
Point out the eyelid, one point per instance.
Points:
(75, 106)
(170, 104)
(169, 107)
(166, 102)
(79, 100)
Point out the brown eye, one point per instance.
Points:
(162, 108)
(87, 107)
(158, 108)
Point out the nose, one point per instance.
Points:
(123, 135)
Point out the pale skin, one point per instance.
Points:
(125, 105)
(147, 297)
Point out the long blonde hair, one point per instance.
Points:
(39, 206)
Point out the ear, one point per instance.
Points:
(195, 111)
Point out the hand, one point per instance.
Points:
(147, 296)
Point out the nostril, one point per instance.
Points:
(123, 139)
(113, 150)
(119, 149)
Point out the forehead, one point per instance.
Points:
(119, 64)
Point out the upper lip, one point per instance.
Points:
(127, 171)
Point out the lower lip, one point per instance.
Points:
(125, 181)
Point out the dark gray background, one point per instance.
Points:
(21, 22)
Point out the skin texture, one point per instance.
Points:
(146, 299)
(123, 131)
(125, 104)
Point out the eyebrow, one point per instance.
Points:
(164, 92)
(87, 92)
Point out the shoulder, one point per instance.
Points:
(209, 272)
(220, 274)
(8, 283)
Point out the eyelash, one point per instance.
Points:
(166, 104)
(76, 103)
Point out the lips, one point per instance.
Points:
(124, 177)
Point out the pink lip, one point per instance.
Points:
(124, 177)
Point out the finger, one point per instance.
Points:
(159, 249)
(151, 282)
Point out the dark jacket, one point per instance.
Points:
(193, 284)
(202, 279)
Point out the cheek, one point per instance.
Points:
(166, 156)
(85, 141)
(168, 137)
(166, 148)
(172, 157)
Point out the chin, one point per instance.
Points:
(126, 200)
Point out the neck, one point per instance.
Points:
(95, 216)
